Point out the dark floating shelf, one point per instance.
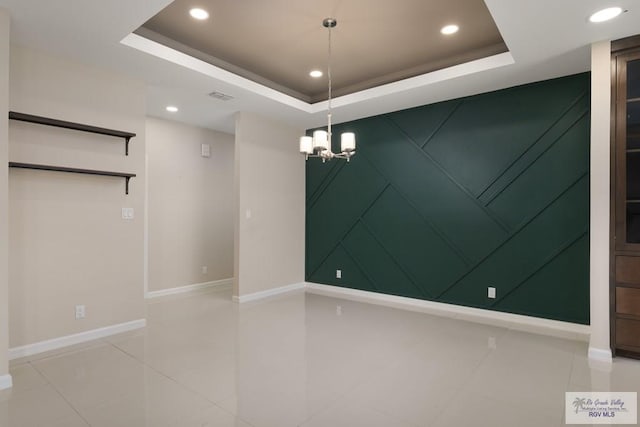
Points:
(73, 126)
(126, 176)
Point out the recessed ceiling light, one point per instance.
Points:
(605, 14)
(449, 29)
(315, 73)
(199, 14)
(172, 109)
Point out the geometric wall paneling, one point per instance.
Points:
(385, 273)
(528, 249)
(447, 199)
(553, 172)
(413, 243)
(363, 188)
(487, 133)
(555, 291)
(422, 123)
(466, 223)
(577, 112)
(352, 275)
(318, 178)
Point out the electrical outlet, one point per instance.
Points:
(338, 274)
(80, 311)
(338, 310)
(205, 269)
(491, 292)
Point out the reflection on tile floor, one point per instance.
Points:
(305, 360)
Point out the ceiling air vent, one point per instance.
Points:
(221, 96)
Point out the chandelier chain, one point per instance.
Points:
(330, 88)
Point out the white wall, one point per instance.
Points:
(599, 345)
(270, 201)
(190, 205)
(68, 242)
(4, 197)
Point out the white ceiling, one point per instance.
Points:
(546, 39)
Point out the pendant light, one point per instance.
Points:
(320, 144)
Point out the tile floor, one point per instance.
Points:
(305, 360)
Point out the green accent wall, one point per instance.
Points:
(444, 200)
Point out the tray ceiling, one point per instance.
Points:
(277, 43)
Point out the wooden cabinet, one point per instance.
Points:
(625, 206)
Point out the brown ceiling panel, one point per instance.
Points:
(277, 42)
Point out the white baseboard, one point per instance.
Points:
(6, 382)
(269, 293)
(56, 343)
(497, 318)
(189, 288)
(602, 355)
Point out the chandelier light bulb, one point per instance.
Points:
(320, 140)
(306, 145)
(348, 142)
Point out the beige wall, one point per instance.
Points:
(4, 190)
(68, 242)
(190, 205)
(270, 200)
(599, 346)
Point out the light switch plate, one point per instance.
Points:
(491, 292)
(127, 213)
(205, 150)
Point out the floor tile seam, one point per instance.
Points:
(344, 394)
(463, 385)
(335, 398)
(61, 394)
(38, 373)
(185, 387)
(236, 416)
(573, 354)
(403, 420)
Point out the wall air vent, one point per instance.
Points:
(221, 96)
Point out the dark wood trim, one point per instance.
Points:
(626, 285)
(630, 352)
(126, 176)
(624, 260)
(625, 44)
(612, 210)
(47, 121)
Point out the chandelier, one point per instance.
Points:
(320, 144)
